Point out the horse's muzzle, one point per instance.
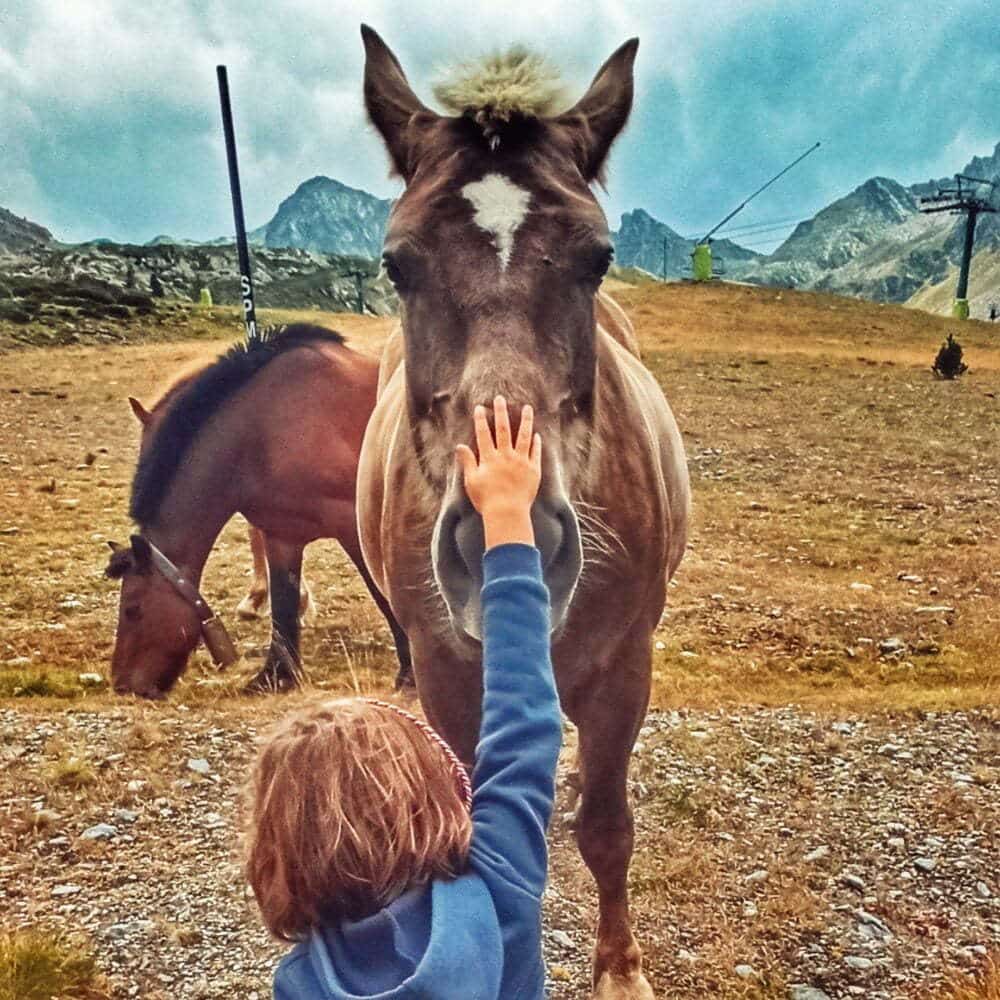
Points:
(457, 552)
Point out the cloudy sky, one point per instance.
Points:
(109, 124)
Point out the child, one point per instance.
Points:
(361, 846)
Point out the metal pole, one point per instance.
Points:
(664, 258)
(242, 249)
(963, 274)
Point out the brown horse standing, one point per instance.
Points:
(271, 431)
(497, 248)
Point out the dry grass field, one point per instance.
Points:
(826, 674)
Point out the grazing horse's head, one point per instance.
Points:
(157, 629)
(497, 248)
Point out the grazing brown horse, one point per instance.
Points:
(271, 431)
(497, 247)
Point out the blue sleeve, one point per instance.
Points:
(514, 777)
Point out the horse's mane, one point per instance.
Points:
(196, 397)
(501, 87)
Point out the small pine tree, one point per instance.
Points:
(156, 286)
(948, 363)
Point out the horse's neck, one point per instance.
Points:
(201, 498)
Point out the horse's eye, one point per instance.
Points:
(603, 262)
(133, 613)
(393, 271)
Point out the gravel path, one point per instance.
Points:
(779, 853)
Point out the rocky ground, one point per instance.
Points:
(780, 853)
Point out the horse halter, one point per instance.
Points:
(217, 640)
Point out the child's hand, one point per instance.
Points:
(503, 484)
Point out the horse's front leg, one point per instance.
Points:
(250, 606)
(609, 715)
(281, 669)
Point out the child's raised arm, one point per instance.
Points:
(514, 778)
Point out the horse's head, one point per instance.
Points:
(497, 248)
(157, 628)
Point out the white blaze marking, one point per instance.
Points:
(500, 207)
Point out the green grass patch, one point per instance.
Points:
(42, 965)
(41, 682)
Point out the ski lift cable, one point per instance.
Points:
(763, 187)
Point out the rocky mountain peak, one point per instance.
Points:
(327, 216)
(18, 234)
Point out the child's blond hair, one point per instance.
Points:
(351, 803)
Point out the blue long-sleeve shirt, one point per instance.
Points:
(477, 937)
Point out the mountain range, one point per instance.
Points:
(872, 243)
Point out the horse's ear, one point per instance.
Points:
(114, 546)
(141, 551)
(597, 118)
(391, 103)
(141, 413)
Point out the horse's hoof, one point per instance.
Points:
(248, 609)
(612, 987)
(267, 682)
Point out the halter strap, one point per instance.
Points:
(461, 775)
(213, 632)
(185, 588)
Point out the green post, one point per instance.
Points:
(205, 298)
(701, 262)
(960, 310)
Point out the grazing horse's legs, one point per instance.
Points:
(251, 605)
(404, 676)
(281, 670)
(608, 716)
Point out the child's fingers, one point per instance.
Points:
(536, 453)
(484, 438)
(524, 435)
(501, 420)
(466, 460)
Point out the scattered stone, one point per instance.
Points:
(745, 971)
(897, 843)
(66, 889)
(749, 908)
(935, 609)
(909, 578)
(126, 815)
(983, 890)
(562, 939)
(858, 962)
(798, 991)
(864, 588)
(687, 957)
(892, 646)
(853, 882)
(925, 864)
(199, 765)
(818, 854)
(91, 680)
(660, 645)
(756, 877)
(102, 831)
